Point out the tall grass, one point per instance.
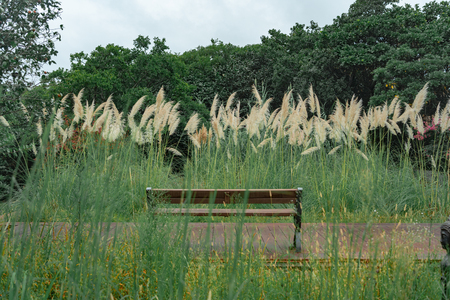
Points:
(93, 170)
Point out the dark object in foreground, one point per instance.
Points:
(445, 263)
(185, 197)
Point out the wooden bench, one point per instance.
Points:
(186, 197)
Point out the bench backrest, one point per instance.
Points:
(227, 196)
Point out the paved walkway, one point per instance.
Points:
(319, 240)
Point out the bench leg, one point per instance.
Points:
(298, 241)
(298, 222)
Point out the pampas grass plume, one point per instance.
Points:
(257, 96)
(3, 121)
(192, 124)
(310, 150)
(212, 113)
(362, 154)
(419, 101)
(133, 112)
(39, 127)
(230, 101)
(311, 100)
(160, 98)
(78, 107)
(410, 132)
(253, 147)
(194, 141)
(174, 151)
(334, 150)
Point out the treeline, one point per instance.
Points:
(376, 51)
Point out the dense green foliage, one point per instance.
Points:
(26, 45)
(26, 42)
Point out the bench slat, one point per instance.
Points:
(228, 212)
(263, 196)
(222, 193)
(228, 201)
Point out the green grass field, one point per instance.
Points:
(347, 165)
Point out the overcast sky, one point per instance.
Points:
(186, 24)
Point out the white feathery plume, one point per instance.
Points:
(194, 141)
(133, 112)
(362, 154)
(264, 142)
(311, 101)
(321, 130)
(253, 147)
(310, 150)
(25, 112)
(301, 138)
(419, 101)
(317, 106)
(396, 112)
(230, 101)
(264, 112)
(437, 114)
(390, 127)
(33, 147)
(174, 121)
(419, 122)
(167, 110)
(408, 146)
(160, 98)
(395, 126)
(410, 132)
(445, 121)
(101, 106)
(148, 112)
(78, 107)
(99, 122)
(64, 99)
(272, 117)
(3, 121)
(229, 154)
(174, 151)
(284, 112)
(406, 113)
(393, 105)
(212, 113)
(88, 116)
(354, 112)
(192, 124)
(39, 127)
(257, 96)
(364, 123)
(334, 150)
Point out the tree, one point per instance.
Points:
(418, 53)
(26, 44)
(224, 69)
(375, 51)
(26, 41)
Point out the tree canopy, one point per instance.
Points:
(26, 41)
(375, 51)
